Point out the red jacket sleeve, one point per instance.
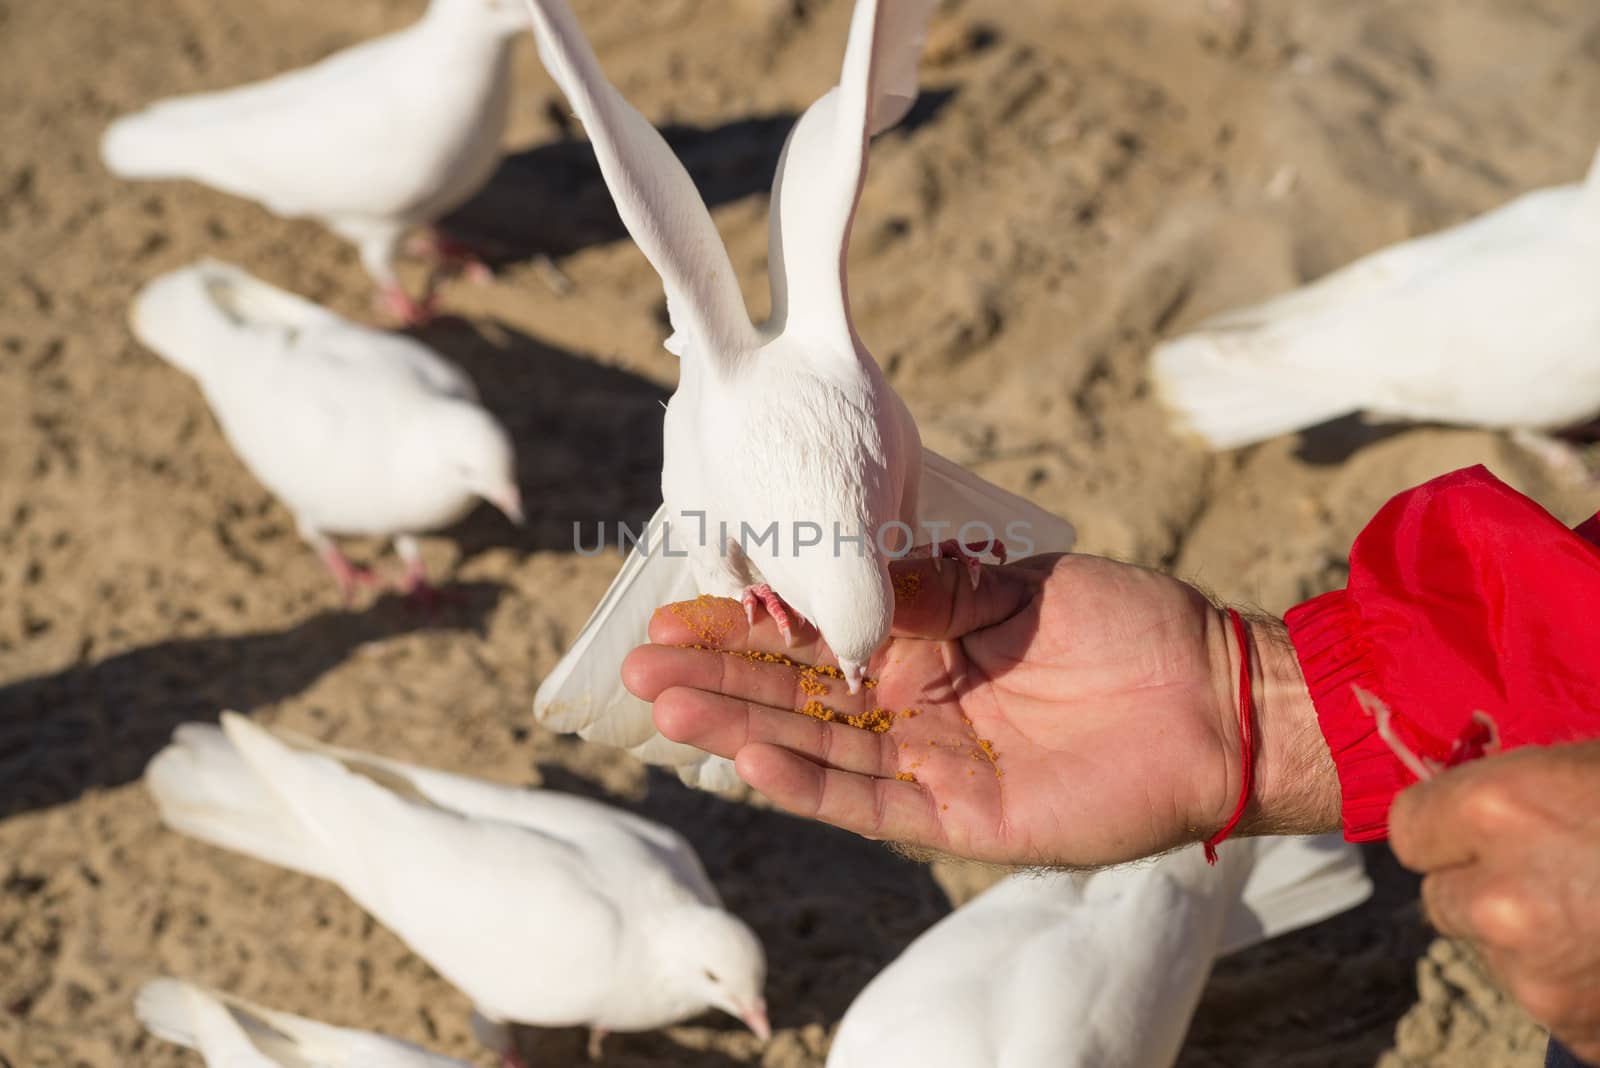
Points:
(1463, 595)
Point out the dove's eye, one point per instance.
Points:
(712, 976)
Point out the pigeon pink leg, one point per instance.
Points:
(349, 576)
(764, 596)
(450, 255)
(393, 300)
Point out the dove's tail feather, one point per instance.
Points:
(149, 145)
(163, 1006)
(584, 695)
(205, 789)
(1235, 386)
(1293, 883)
(198, 317)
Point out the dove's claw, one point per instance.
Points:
(395, 301)
(349, 576)
(420, 592)
(597, 1037)
(450, 255)
(766, 597)
(970, 554)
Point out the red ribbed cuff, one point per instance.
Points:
(1327, 638)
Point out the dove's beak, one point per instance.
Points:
(509, 500)
(755, 1018)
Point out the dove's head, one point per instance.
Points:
(467, 447)
(712, 959)
(853, 609)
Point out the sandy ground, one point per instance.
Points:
(1079, 179)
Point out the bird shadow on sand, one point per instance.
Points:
(808, 890)
(587, 437)
(97, 725)
(550, 200)
(1332, 443)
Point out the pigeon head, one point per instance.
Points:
(467, 447)
(712, 959)
(853, 612)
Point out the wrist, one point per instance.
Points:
(1294, 787)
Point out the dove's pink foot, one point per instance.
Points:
(421, 593)
(510, 1059)
(450, 255)
(597, 1038)
(969, 554)
(349, 576)
(764, 596)
(395, 301)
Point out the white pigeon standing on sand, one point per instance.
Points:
(229, 1032)
(358, 431)
(1491, 323)
(1089, 971)
(372, 142)
(543, 908)
(781, 433)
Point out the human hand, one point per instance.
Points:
(1509, 848)
(1106, 694)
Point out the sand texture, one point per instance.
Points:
(1078, 180)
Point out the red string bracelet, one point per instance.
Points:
(1246, 738)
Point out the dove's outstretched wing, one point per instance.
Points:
(584, 694)
(654, 195)
(819, 175)
(961, 505)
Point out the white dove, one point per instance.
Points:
(543, 908)
(1097, 971)
(783, 442)
(372, 141)
(1490, 323)
(229, 1032)
(356, 430)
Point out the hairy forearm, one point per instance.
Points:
(1295, 788)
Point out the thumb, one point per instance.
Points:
(935, 600)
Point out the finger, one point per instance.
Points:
(939, 603)
(1437, 824)
(725, 725)
(1469, 902)
(720, 623)
(650, 670)
(874, 807)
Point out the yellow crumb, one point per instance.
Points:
(907, 584)
(708, 618)
(905, 776)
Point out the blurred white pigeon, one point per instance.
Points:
(543, 908)
(372, 141)
(229, 1032)
(1491, 323)
(792, 471)
(356, 430)
(1089, 971)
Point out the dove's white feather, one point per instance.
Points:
(229, 1032)
(357, 430)
(544, 909)
(1097, 971)
(772, 439)
(383, 136)
(654, 195)
(1490, 323)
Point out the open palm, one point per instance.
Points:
(1070, 710)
